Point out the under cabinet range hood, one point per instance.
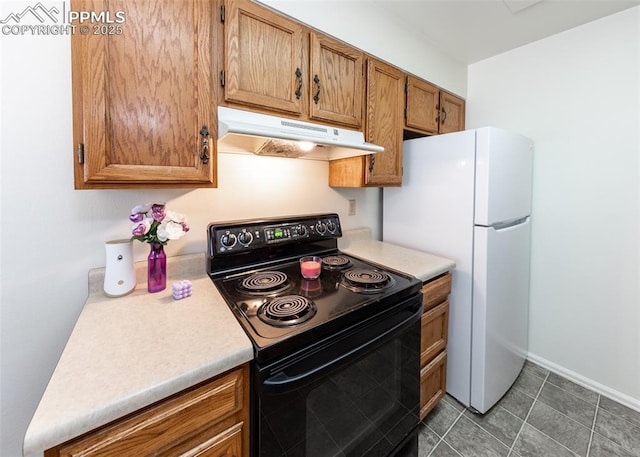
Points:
(247, 132)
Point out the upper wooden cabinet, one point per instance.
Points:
(385, 107)
(337, 81)
(421, 113)
(385, 103)
(276, 64)
(263, 58)
(143, 97)
(430, 110)
(451, 113)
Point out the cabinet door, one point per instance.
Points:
(142, 97)
(422, 106)
(263, 58)
(434, 331)
(337, 81)
(433, 383)
(385, 109)
(451, 113)
(202, 421)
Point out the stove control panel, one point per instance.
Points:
(250, 235)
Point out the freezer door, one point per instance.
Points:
(500, 311)
(504, 163)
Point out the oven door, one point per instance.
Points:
(355, 394)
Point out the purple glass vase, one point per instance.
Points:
(156, 268)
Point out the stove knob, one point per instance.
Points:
(228, 240)
(245, 238)
(321, 227)
(331, 226)
(302, 230)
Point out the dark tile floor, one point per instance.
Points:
(542, 415)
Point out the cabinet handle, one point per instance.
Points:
(204, 154)
(372, 162)
(444, 116)
(437, 114)
(316, 97)
(299, 89)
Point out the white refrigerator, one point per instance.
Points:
(467, 196)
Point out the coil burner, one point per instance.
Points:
(368, 281)
(264, 283)
(287, 310)
(336, 262)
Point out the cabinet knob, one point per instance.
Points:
(204, 154)
(299, 89)
(316, 97)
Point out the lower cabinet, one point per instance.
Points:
(208, 420)
(433, 354)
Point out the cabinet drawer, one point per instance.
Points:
(436, 291)
(165, 424)
(433, 382)
(435, 325)
(227, 443)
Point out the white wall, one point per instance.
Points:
(577, 95)
(51, 235)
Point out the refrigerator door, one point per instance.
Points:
(504, 163)
(433, 212)
(500, 310)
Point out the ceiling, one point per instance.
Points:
(473, 30)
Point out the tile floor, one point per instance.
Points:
(542, 415)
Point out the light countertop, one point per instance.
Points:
(422, 265)
(126, 353)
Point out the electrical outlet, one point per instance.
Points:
(352, 208)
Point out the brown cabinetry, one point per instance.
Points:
(421, 113)
(263, 58)
(208, 420)
(337, 81)
(451, 113)
(143, 99)
(385, 102)
(430, 110)
(433, 354)
(276, 64)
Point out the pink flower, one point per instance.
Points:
(136, 217)
(158, 212)
(141, 228)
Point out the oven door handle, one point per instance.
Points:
(332, 358)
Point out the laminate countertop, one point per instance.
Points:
(422, 265)
(129, 352)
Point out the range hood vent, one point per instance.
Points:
(246, 132)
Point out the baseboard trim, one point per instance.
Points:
(601, 389)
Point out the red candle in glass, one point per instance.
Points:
(310, 267)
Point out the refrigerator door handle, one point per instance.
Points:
(509, 224)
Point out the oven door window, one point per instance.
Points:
(365, 403)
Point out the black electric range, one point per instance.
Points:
(336, 359)
(254, 265)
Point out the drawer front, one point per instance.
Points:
(435, 327)
(165, 424)
(436, 291)
(225, 444)
(433, 382)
